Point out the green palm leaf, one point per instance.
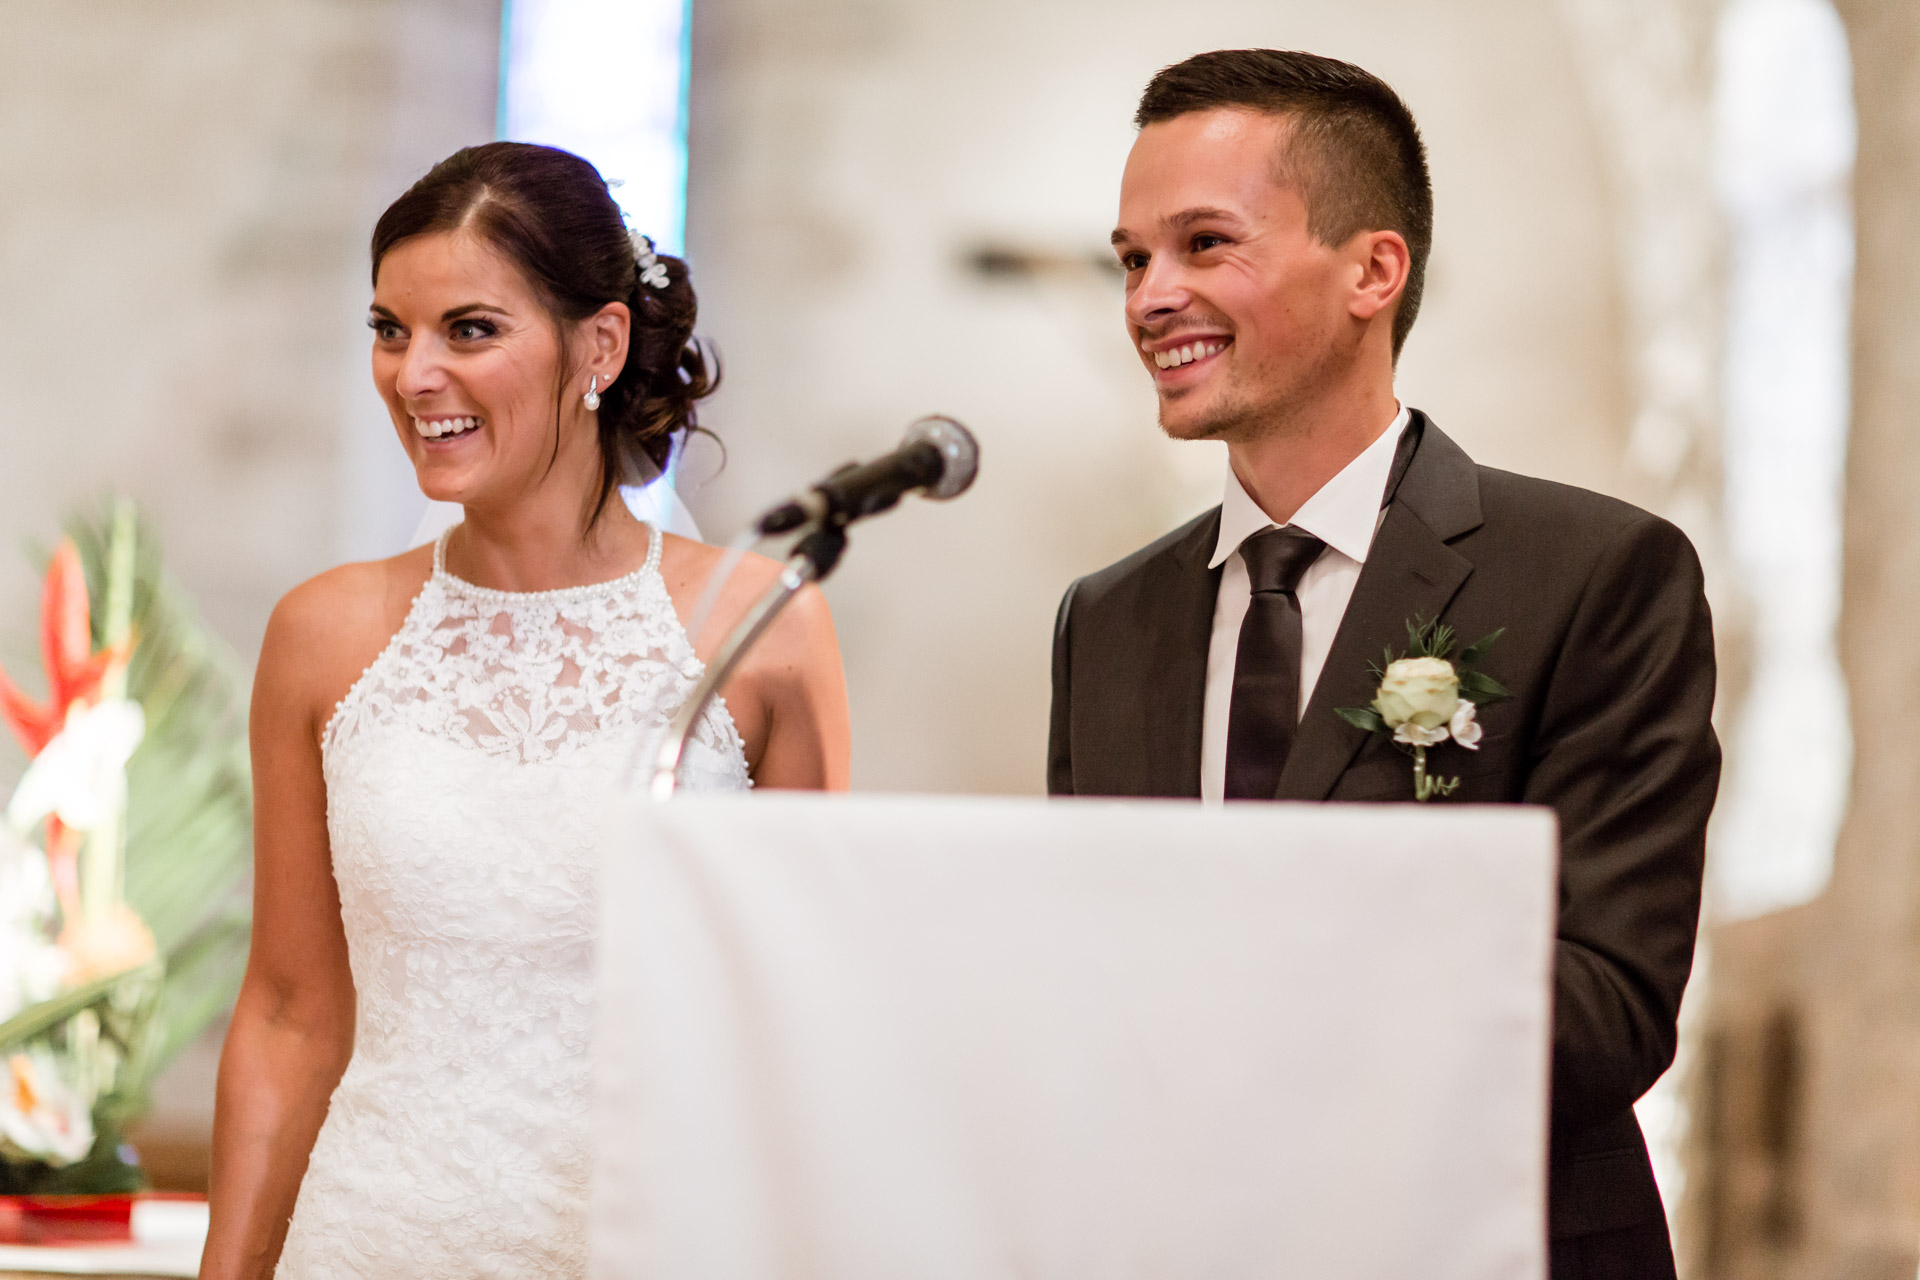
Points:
(189, 806)
(36, 1020)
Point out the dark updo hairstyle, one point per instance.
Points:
(550, 213)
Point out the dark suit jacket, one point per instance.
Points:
(1608, 653)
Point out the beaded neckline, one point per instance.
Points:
(448, 579)
(536, 676)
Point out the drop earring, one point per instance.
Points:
(592, 398)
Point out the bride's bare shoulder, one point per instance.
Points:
(686, 564)
(354, 602)
(325, 632)
(688, 567)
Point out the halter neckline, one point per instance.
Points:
(612, 586)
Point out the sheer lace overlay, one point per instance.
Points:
(465, 773)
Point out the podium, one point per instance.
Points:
(910, 1038)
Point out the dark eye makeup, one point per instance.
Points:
(465, 329)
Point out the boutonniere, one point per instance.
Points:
(1429, 696)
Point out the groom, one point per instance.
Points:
(1275, 219)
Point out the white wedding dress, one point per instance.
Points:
(465, 771)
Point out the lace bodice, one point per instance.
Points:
(536, 675)
(465, 773)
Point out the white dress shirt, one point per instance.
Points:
(1344, 514)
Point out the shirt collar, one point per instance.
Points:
(1343, 513)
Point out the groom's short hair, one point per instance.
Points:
(1353, 151)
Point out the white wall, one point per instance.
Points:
(188, 194)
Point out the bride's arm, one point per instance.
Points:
(805, 740)
(292, 1029)
(789, 698)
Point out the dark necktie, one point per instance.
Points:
(1266, 667)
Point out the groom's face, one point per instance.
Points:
(1234, 309)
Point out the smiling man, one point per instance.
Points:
(1275, 221)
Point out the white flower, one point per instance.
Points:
(1419, 736)
(653, 272)
(82, 774)
(1466, 729)
(41, 1116)
(1420, 691)
(31, 968)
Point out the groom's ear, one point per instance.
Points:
(1380, 265)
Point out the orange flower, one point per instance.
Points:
(118, 940)
(74, 671)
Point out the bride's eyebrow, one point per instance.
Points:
(454, 313)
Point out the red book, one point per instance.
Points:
(56, 1220)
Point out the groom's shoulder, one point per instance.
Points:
(1189, 544)
(1544, 538)
(1549, 512)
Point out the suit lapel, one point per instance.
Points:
(1410, 572)
(1174, 678)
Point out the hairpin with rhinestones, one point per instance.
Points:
(653, 272)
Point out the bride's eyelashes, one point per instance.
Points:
(465, 329)
(471, 330)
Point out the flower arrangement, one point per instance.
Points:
(123, 858)
(1419, 699)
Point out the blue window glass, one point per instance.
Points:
(605, 79)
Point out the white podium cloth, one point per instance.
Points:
(892, 1038)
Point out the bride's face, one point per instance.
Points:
(468, 360)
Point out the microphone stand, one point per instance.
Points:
(938, 457)
(813, 558)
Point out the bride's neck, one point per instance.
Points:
(531, 549)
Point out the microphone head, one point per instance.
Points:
(958, 450)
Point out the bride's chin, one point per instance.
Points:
(442, 488)
(446, 479)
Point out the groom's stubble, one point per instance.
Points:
(1262, 400)
(1272, 405)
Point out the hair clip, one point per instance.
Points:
(653, 272)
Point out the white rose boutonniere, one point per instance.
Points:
(1422, 702)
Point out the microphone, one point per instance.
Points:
(937, 456)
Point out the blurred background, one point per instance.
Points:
(1673, 262)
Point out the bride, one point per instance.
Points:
(404, 1090)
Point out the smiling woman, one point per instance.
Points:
(537, 225)
(432, 735)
